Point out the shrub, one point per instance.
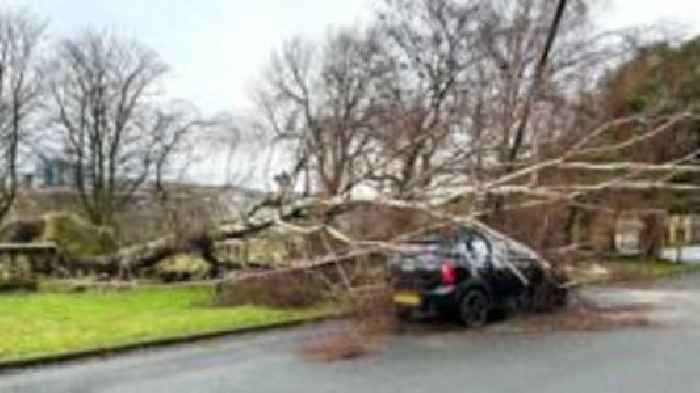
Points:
(370, 319)
(372, 310)
(182, 268)
(77, 237)
(16, 276)
(18, 284)
(284, 288)
(22, 231)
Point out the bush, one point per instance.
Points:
(22, 231)
(182, 268)
(16, 276)
(18, 284)
(77, 237)
(285, 288)
(370, 319)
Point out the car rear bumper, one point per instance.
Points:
(428, 303)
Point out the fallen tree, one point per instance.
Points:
(500, 162)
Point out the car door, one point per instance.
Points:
(502, 281)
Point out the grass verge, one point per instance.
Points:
(42, 324)
(631, 270)
(634, 269)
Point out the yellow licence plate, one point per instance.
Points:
(407, 298)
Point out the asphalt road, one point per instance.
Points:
(656, 359)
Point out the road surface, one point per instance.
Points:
(639, 360)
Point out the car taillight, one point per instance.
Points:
(449, 275)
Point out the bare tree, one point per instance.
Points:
(322, 101)
(469, 87)
(429, 48)
(477, 100)
(104, 94)
(180, 138)
(436, 100)
(434, 87)
(180, 129)
(20, 89)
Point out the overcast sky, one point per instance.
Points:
(217, 47)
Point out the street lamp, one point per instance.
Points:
(284, 182)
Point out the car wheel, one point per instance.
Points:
(474, 308)
(547, 298)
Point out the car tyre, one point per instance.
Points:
(547, 297)
(474, 308)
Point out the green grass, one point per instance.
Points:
(39, 324)
(629, 269)
(657, 268)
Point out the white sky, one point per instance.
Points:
(685, 13)
(217, 47)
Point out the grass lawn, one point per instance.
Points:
(32, 325)
(632, 269)
(626, 269)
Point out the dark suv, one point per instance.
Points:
(464, 273)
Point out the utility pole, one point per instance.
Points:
(534, 88)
